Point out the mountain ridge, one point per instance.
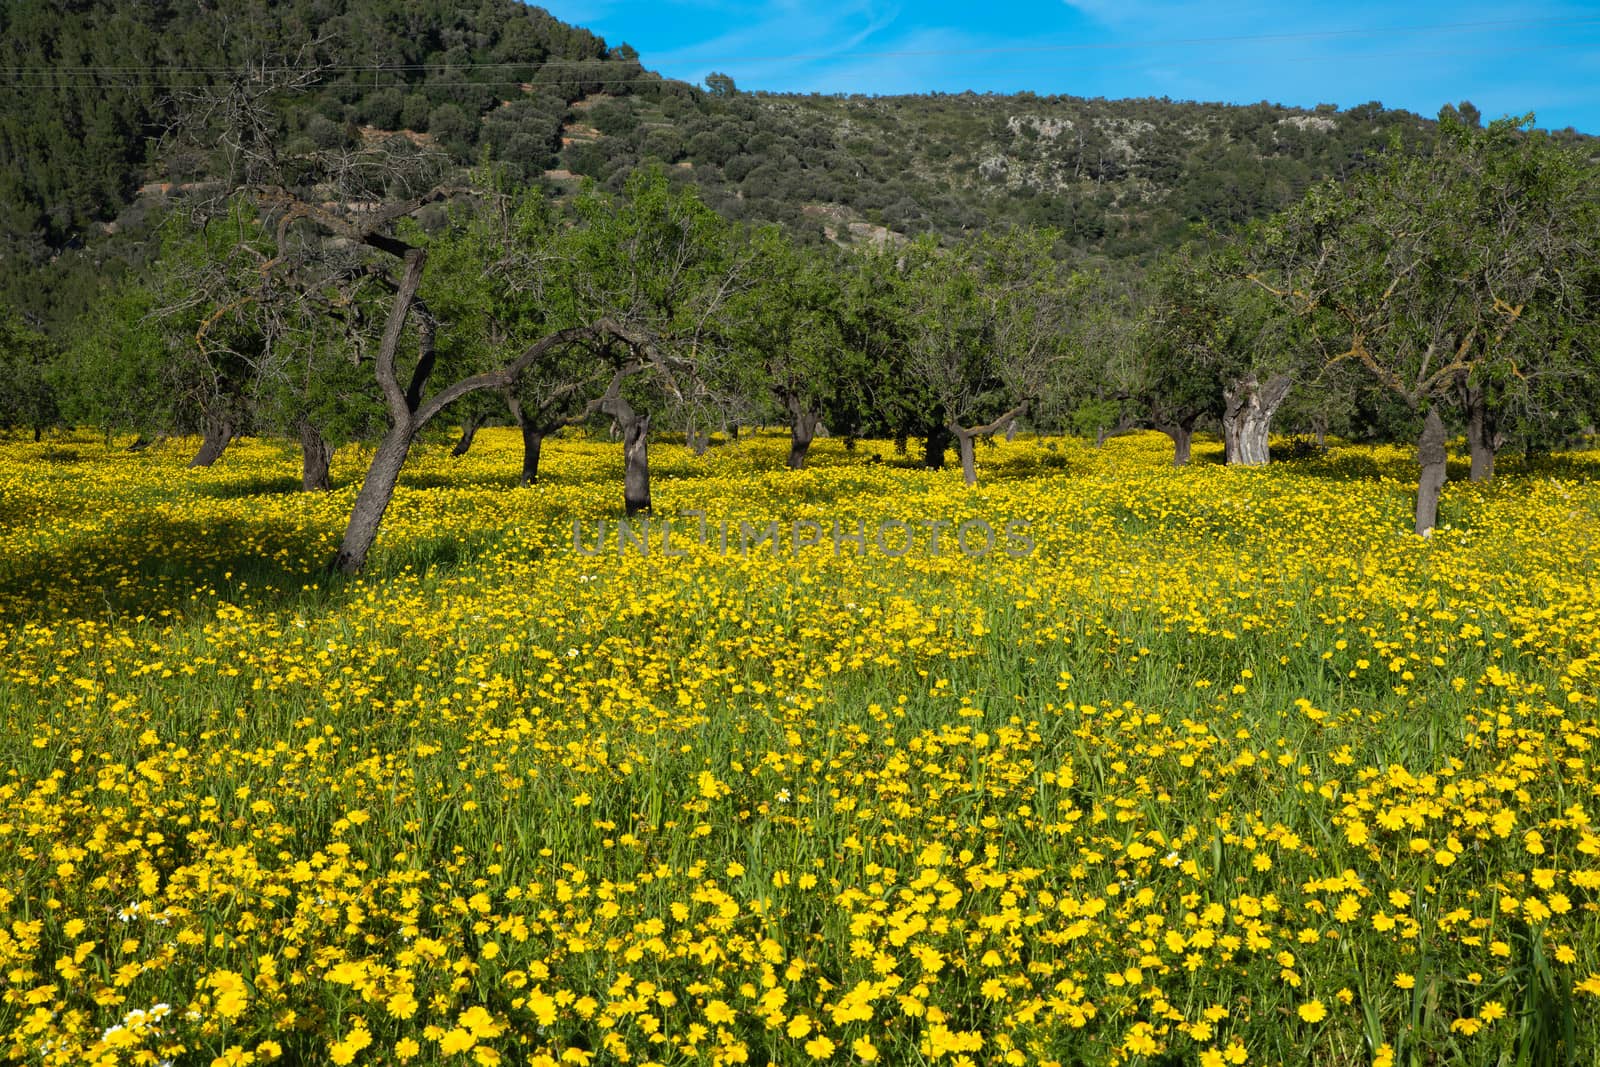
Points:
(85, 174)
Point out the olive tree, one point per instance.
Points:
(1455, 277)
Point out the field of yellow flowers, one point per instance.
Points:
(1191, 766)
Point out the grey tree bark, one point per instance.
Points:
(532, 446)
(969, 459)
(1482, 440)
(1182, 434)
(315, 458)
(635, 429)
(802, 431)
(377, 489)
(1431, 459)
(547, 418)
(469, 433)
(1247, 417)
(967, 436)
(213, 443)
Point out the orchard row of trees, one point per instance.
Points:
(1456, 287)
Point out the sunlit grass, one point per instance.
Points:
(1229, 767)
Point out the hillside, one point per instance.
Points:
(85, 172)
(1118, 177)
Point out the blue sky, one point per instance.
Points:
(1506, 59)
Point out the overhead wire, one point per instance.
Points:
(56, 72)
(639, 73)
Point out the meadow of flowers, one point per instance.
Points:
(1227, 768)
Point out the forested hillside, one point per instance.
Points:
(92, 87)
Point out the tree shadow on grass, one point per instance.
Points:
(1049, 464)
(161, 567)
(1351, 465)
(265, 486)
(1343, 465)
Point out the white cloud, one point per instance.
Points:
(787, 39)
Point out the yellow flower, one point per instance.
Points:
(456, 1040)
(347, 972)
(1312, 1011)
(344, 1051)
(477, 1021)
(819, 1048)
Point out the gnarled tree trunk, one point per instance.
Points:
(635, 430)
(636, 465)
(698, 440)
(1182, 434)
(1431, 458)
(968, 453)
(469, 433)
(802, 431)
(315, 459)
(1482, 440)
(967, 436)
(532, 436)
(1247, 417)
(215, 441)
(377, 488)
(532, 445)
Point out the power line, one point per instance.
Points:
(339, 68)
(101, 81)
(1499, 24)
(369, 68)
